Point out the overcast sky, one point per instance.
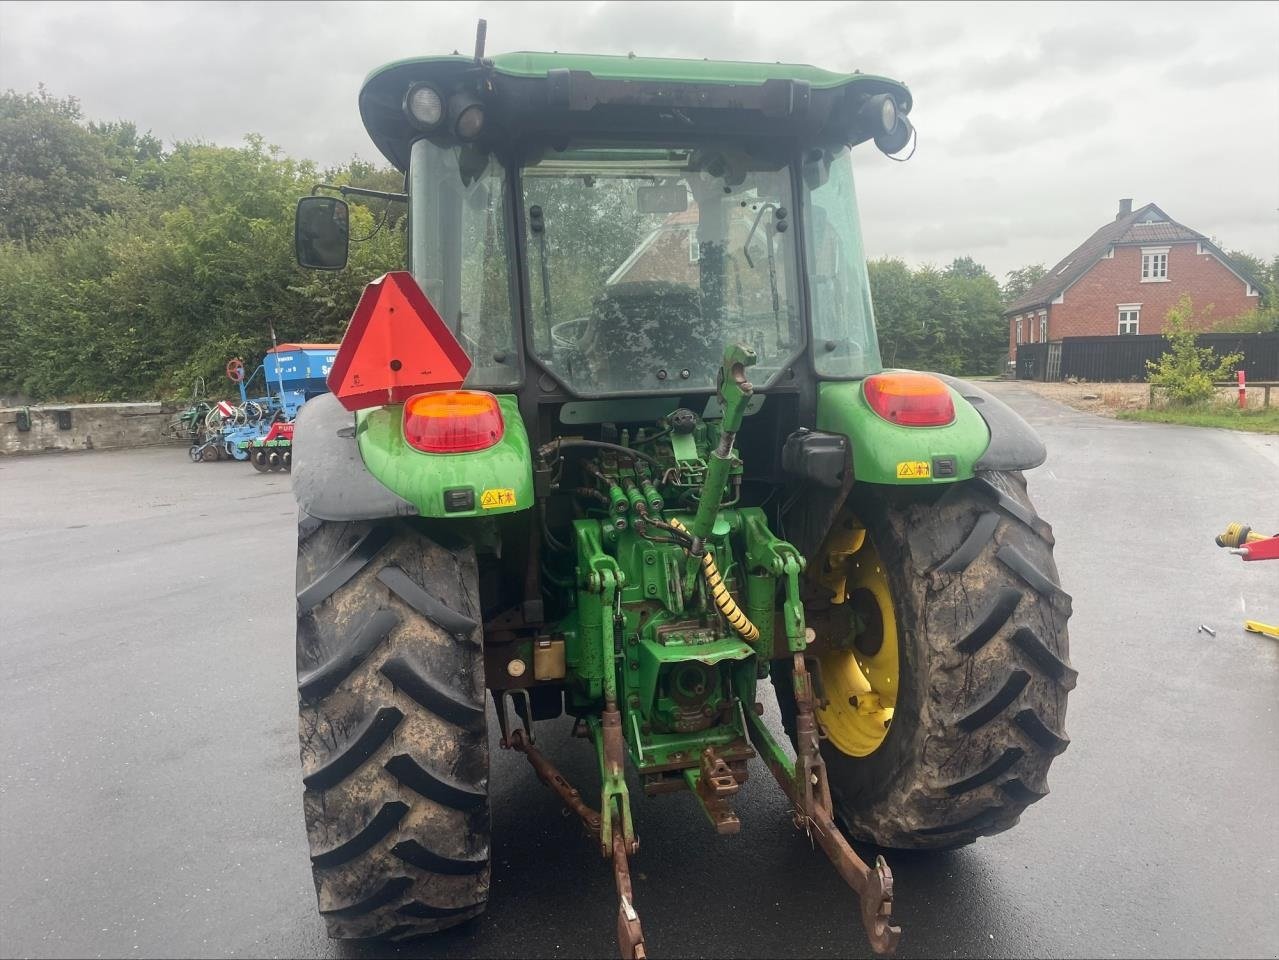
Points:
(1034, 119)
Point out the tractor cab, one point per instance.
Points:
(593, 226)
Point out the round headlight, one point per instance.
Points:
(469, 122)
(888, 114)
(425, 106)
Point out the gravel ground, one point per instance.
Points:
(1106, 399)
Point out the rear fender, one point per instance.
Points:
(1014, 444)
(496, 480)
(985, 435)
(330, 480)
(358, 467)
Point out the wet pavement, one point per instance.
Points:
(150, 802)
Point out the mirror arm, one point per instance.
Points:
(361, 192)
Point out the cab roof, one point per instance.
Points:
(527, 94)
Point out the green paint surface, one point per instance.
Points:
(421, 478)
(879, 446)
(529, 64)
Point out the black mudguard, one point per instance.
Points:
(330, 480)
(1014, 444)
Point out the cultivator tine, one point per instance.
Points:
(630, 937)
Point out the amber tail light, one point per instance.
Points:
(453, 421)
(910, 399)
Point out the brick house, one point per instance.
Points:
(1124, 278)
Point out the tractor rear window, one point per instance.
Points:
(644, 263)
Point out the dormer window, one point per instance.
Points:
(1154, 264)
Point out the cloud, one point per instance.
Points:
(1033, 118)
(988, 133)
(1210, 74)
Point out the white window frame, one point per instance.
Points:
(1129, 308)
(1151, 264)
(1019, 332)
(694, 247)
(1043, 326)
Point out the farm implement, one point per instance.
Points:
(260, 429)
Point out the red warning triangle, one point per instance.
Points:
(396, 345)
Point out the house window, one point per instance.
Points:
(1154, 264)
(1129, 319)
(1019, 340)
(1043, 326)
(694, 248)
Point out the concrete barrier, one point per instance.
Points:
(81, 426)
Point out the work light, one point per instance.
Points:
(468, 115)
(424, 105)
(888, 114)
(878, 115)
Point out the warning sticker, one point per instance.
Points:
(498, 497)
(913, 470)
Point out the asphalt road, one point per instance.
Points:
(150, 802)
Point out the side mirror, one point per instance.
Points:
(321, 233)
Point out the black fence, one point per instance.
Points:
(1118, 359)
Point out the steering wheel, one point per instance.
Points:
(568, 333)
(235, 370)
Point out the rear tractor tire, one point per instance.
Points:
(960, 626)
(392, 727)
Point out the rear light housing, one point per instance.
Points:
(910, 399)
(453, 421)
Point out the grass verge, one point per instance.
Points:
(1264, 420)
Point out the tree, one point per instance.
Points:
(1187, 371)
(976, 316)
(1017, 282)
(51, 167)
(898, 311)
(946, 320)
(176, 262)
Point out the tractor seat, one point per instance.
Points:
(640, 329)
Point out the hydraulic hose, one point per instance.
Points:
(722, 599)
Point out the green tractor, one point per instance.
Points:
(619, 445)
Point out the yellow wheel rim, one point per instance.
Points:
(860, 665)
